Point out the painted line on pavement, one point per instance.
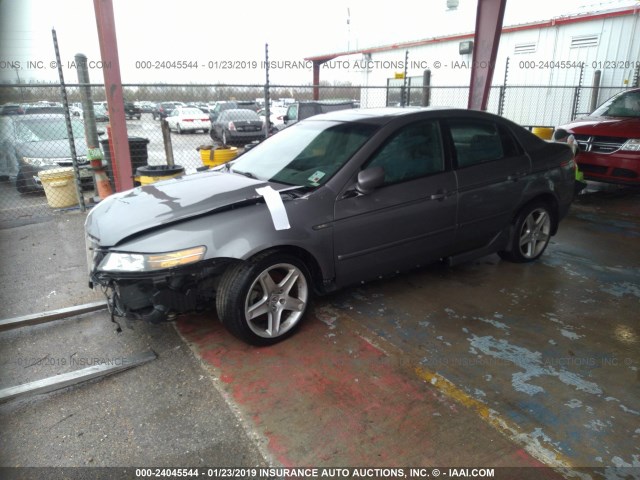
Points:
(533, 445)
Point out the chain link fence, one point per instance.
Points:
(37, 174)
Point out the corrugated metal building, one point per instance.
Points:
(544, 72)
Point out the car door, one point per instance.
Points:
(409, 220)
(491, 168)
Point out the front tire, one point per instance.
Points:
(532, 232)
(262, 301)
(22, 185)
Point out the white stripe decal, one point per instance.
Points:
(276, 207)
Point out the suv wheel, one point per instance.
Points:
(263, 300)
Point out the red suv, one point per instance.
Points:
(609, 140)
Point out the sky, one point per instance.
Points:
(224, 42)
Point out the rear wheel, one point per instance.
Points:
(178, 128)
(262, 301)
(532, 232)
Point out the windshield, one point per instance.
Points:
(306, 154)
(43, 129)
(626, 104)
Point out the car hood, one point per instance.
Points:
(605, 126)
(125, 214)
(51, 149)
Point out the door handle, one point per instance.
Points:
(439, 195)
(514, 177)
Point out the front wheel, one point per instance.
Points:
(532, 232)
(263, 300)
(22, 184)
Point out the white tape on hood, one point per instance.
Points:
(276, 207)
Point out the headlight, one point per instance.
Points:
(39, 162)
(631, 145)
(144, 262)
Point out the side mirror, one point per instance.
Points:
(100, 132)
(369, 180)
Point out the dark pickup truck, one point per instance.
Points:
(303, 110)
(131, 111)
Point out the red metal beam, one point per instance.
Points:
(121, 159)
(316, 74)
(485, 49)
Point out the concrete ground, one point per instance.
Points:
(487, 364)
(164, 413)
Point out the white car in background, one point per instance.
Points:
(276, 114)
(188, 119)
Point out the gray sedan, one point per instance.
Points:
(334, 200)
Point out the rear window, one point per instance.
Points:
(240, 115)
(189, 111)
(479, 141)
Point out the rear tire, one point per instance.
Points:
(531, 234)
(262, 301)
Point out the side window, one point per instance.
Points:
(414, 151)
(475, 141)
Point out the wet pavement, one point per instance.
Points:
(486, 364)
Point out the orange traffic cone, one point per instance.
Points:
(100, 178)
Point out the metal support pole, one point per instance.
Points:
(67, 117)
(595, 92)
(316, 80)
(503, 89)
(267, 100)
(489, 18)
(121, 161)
(426, 88)
(88, 114)
(166, 139)
(405, 94)
(576, 95)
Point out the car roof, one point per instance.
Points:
(377, 115)
(385, 114)
(39, 116)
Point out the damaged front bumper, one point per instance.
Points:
(160, 295)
